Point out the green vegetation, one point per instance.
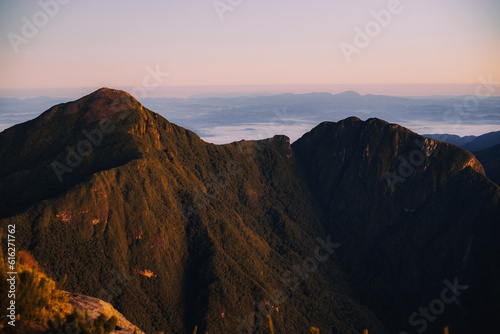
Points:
(79, 322)
(155, 218)
(36, 298)
(39, 305)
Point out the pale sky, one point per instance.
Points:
(111, 43)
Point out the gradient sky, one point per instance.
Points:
(110, 43)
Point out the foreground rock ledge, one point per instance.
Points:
(96, 306)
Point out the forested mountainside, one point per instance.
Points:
(358, 224)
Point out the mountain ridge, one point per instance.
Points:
(209, 232)
(470, 143)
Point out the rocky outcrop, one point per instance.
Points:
(94, 307)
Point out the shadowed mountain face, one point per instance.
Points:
(404, 239)
(356, 225)
(483, 142)
(490, 159)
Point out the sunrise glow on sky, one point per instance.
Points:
(260, 42)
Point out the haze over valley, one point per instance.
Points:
(225, 119)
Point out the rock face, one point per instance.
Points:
(175, 232)
(95, 307)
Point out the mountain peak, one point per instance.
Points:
(106, 92)
(101, 104)
(349, 93)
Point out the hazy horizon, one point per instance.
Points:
(54, 43)
(402, 90)
(256, 116)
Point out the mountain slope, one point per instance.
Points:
(485, 148)
(203, 231)
(439, 221)
(452, 139)
(483, 142)
(490, 159)
(470, 143)
(176, 232)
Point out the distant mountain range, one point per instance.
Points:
(230, 118)
(470, 143)
(356, 225)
